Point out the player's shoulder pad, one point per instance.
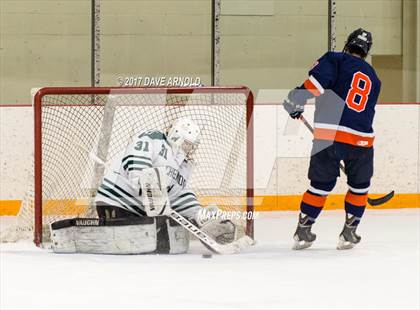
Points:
(153, 134)
(328, 58)
(333, 56)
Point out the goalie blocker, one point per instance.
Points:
(133, 235)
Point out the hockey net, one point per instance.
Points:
(78, 128)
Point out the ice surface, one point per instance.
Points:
(381, 273)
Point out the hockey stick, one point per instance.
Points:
(371, 201)
(230, 248)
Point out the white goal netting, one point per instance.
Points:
(71, 124)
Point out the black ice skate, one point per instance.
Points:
(303, 236)
(348, 237)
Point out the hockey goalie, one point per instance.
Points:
(142, 183)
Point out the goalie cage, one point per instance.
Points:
(77, 127)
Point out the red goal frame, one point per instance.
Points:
(140, 90)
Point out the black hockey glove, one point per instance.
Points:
(294, 110)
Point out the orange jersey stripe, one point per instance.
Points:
(314, 200)
(344, 137)
(311, 88)
(356, 200)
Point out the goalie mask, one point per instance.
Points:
(183, 138)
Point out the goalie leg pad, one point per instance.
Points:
(100, 236)
(119, 236)
(179, 238)
(172, 238)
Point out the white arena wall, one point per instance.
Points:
(282, 147)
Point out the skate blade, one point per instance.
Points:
(301, 245)
(345, 245)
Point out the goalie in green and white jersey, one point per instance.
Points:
(167, 157)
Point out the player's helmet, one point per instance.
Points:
(359, 40)
(184, 135)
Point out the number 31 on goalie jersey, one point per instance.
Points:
(358, 94)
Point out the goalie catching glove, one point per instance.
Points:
(222, 231)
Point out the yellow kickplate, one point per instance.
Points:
(9, 207)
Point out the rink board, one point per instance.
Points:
(261, 203)
(282, 149)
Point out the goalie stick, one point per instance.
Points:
(230, 248)
(372, 201)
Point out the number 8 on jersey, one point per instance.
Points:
(358, 95)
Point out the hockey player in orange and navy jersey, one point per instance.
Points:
(346, 137)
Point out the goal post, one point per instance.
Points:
(68, 125)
